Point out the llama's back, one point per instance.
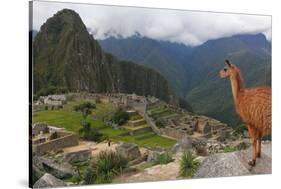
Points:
(254, 107)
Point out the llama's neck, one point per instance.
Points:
(237, 86)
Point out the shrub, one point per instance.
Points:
(89, 133)
(188, 164)
(239, 130)
(85, 108)
(164, 158)
(120, 117)
(106, 165)
(160, 123)
(51, 90)
(230, 149)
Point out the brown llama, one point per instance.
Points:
(253, 106)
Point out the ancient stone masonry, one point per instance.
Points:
(177, 121)
(174, 121)
(46, 139)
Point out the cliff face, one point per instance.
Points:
(67, 56)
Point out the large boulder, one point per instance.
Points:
(184, 144)
(48, 180)
(130, 151)
(153, 156)
(77, 156)
(37, 169)
(221, 165)
(235, 164)
(60, 170)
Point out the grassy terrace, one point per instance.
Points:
(161, 111)
(71, 121)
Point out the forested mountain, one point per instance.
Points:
(166, 57)
(67, 57)
(193, 71)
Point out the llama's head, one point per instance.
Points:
(228, 70)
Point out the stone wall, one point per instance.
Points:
(56, 144)
(174, 133)
(39, 127)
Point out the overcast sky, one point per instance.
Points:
(188, 27)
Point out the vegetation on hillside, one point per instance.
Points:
(58, 50)
(164, 158)
(193, 71)
(120, 116)
(188, 164)
(71, 121)
(104, 167)
(85, 108)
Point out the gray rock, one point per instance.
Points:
(182, 145)
(235, 164)
(59, 170)
(176, 148)
(221, 165)
(153, 156)
(186, 143)
(241, 145)
(130, 151)
(37, 168)
(48, 180)
(77, 156)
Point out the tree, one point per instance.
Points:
(85, 108)
(89, 133)
(120, 116)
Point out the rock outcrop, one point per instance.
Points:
(48, 180)
(130, 151)
(235, 164)
(59, 170)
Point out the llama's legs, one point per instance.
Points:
(253, 134)
(259, 145)
(259, 148)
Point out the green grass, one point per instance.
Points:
(135, 117)
(102, 110)
(71, 121)
(152, 140)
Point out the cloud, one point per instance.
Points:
(188, 27)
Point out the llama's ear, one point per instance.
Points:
(227, 63)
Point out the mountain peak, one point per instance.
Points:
(67, 56)
(62, 19)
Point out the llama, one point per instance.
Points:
(253, 106)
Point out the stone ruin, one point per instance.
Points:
(47, 138)
(54, 102)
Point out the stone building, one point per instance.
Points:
(203, 127)
(46, 139)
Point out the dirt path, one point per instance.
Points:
(94, 147)
(168, 171)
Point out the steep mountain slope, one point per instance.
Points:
(210, 95)
(194, 70)
(67, 56)
(166, 57)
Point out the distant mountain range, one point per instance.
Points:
(67, 58)
(193, 71)
(166, 57)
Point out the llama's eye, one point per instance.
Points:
(225, 69)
